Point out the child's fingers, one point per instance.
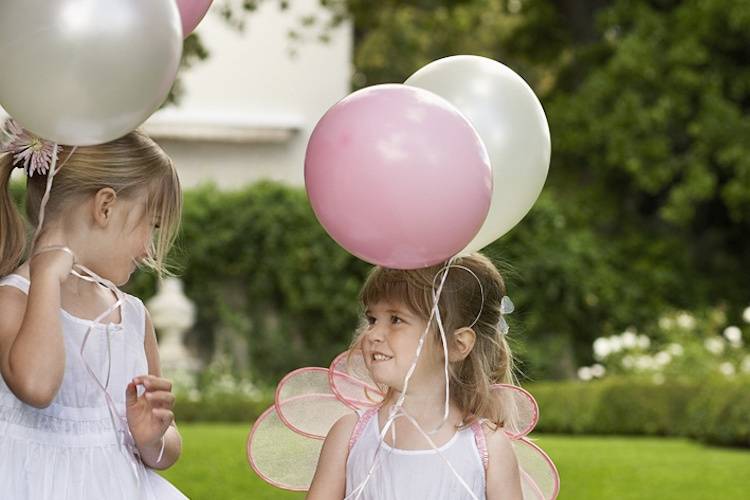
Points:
(164, 416)
(152, 383)
(160, 399)
(131, 394)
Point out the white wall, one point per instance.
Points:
(248, 111)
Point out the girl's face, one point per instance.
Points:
(125, 242)
(389, 344)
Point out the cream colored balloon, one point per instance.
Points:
(84, 72)
(511, 122)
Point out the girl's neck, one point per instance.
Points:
(426, 406)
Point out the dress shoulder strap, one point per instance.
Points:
(16, 281)
(481, 441)
(364, 419)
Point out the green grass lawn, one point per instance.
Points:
(213, 465)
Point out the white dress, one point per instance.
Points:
(69, 450)
(416, 474)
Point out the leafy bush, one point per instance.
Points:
(714, 411)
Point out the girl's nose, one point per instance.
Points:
(375, 334)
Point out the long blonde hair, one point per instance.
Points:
(490, 361)
(131, 165)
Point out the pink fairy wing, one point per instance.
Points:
(351, 382)
(520, 411)
(539, 477)
(306, 404)
(280, 456)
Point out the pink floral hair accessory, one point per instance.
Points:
(32, 153)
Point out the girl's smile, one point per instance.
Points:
(390, 343)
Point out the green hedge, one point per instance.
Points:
(714, 411)
(720, 413)
(258, 265)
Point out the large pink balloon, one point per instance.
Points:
(398, 176)
(192, 12)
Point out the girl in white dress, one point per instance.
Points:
(84, 411)
(465, 455)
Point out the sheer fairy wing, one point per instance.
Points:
(285, 442)
(520, 410)
(280, 456)
(306, 403)
(539, 477)
(351, 383)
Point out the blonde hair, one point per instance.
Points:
(131, 165)
(490, 361)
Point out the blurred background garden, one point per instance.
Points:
(631, 274)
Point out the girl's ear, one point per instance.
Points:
(104, 201)
(464, 339)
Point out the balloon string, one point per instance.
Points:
(397, 409)
(123, 438)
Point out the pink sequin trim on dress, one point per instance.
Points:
(361, 424)
(481, 442)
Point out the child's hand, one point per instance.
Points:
(52, 260)
(150, 414)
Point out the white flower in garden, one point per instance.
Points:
(675, 349)
(727, 368)
(734, 335)
(602, 348)
(658, 378)
(598, 370)
(714, 345)
(628, 362)
(746, 315)
(584, 373)
(629, 338)
(644, 342)
(615, 344)
(662, 358)
(666, 323)
(746, 364)
(686, 321)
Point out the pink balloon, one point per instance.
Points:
(192, 12)
(398, 176)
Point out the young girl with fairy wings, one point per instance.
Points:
(460, 454)
(84, 411)
(421, 407)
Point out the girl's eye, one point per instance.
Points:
(370, 320)
(396, 320)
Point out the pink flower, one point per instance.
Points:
(35, 153)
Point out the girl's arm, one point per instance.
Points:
(503, 474)
(150, 416)
(329, 482)
(32, 351)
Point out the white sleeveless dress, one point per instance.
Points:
(69, 450)
(416, 474)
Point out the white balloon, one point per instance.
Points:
(83, 72)
(511, 122)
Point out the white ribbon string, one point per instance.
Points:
(440, 453)
(397, 409)
(123, 436)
